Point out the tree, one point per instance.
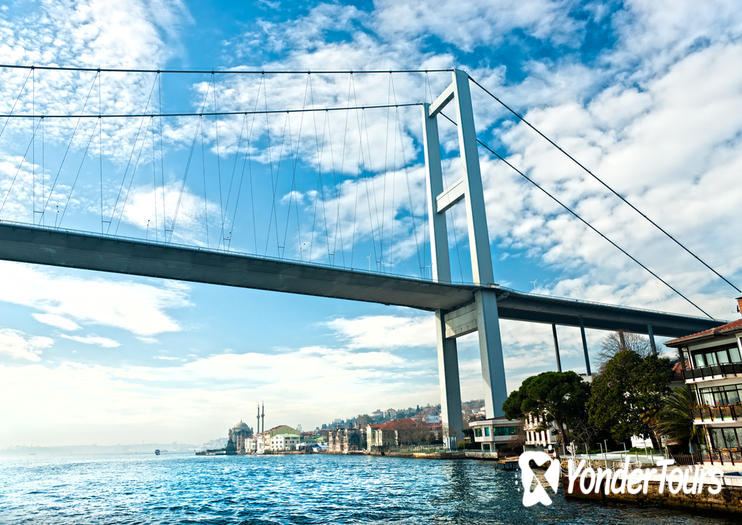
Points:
(628, 393)
(674, 419)
(619, 341)
(555, 396)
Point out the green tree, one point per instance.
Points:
(628, 393)
(556, 396)
(674, 419)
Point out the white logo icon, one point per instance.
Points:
(538, 495)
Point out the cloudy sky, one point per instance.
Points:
(647, 94)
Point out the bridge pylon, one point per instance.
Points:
(481, 315)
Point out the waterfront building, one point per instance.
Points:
(432, 419)
(345, 440)
(284, 442)
(405, 431)
(251, 445)
(280, 429)
(237, 435)
(540, 434)
(498, 433)
(712, 367)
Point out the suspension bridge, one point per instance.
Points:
(304, 182)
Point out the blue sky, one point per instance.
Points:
(646, 94)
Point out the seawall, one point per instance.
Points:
(727, 501)
(454, 454)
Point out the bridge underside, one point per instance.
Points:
(68, 249)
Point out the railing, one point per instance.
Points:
(688, 459)
(733, 456)
(711, 371)
(728, 412)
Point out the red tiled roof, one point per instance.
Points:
(398, 424)
(719, 330)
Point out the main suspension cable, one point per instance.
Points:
(226, 71)
(205, 113)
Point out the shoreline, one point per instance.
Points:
(457, 454)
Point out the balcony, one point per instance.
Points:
(717, 414)
(710, 372)
(732, 456)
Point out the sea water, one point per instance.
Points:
(316, 488)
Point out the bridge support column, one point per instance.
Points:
(484, 315)
(584, 348)
(490, 353)
(452, 423)
(448, 365)
(652, 343)
(556, 347)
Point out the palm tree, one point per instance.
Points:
(674, 419)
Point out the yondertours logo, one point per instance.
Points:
(624, 480)
(552, 474)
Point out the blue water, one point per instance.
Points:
(285, 489)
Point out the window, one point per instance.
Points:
(733, 396)
(487, 431)
(717, 356)
(728, 437)
(478, 432)
(720, 395)
(505, 431)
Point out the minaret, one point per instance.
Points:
(263, 417)
(257, 427)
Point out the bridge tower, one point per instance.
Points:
(481, 315)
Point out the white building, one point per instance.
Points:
(712, 362)
(263, 444)
(284, 442)
(539, 434)
(497, 433)
(251, 445)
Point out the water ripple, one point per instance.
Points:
(284, 489)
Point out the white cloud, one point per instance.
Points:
(143, 309)
(386, 331)
(104, 342)
(196, 222)
(658, 159)
(57, 321)
(196, 400)
(17, 345)
(470, 24)
(89, 33)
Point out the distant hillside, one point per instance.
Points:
(213, 444)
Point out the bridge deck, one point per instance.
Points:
(69, 249)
